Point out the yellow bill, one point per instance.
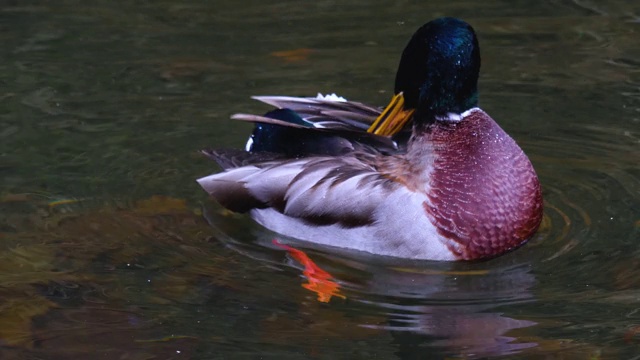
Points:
(392, 119)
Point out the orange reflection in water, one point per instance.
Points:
(319, 281)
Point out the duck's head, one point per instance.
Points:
(437, 76)
(438, 71)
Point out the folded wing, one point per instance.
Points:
(302, 189)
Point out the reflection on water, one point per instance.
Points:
(449, 306)
(104, 107)
(455, 310)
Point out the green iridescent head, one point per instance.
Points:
(439, 68)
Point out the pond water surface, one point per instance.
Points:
(109, 249)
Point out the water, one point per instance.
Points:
(109, 248)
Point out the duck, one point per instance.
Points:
(430, 177)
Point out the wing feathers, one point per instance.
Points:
(230, 191)
(265, 120)
(327, 113)
(303, 189)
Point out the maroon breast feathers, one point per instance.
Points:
(485, 196)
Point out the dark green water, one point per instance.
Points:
(104, 250)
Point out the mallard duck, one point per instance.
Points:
(432, 176)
